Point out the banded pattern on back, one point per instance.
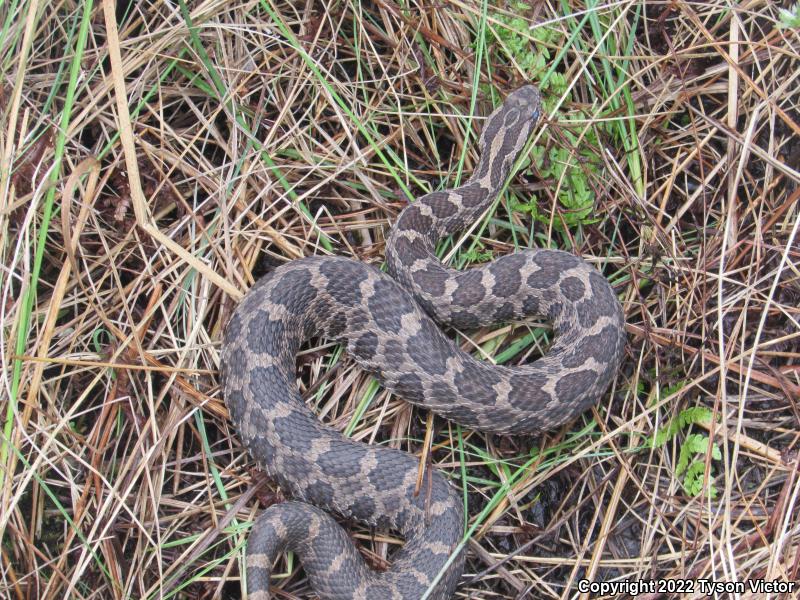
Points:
(387, 325)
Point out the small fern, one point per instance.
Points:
(477, 254)
(691, 460)
(693, 449)
(790, 17)
(688, 416)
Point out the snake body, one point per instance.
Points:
(387, 325)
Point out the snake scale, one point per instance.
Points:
(387, 325)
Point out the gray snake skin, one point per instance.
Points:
(387, 324)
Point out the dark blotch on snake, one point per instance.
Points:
(464, 319)
(570, 385)
(432, 279)
(363, 505)
(506, 273)
(388, 315)
(527, 391)
(409, 386)
(366, 345)
(262, 340)
(603, 295)
(471, 194)
(376, 477)
(234, 328)
(607, 338)
(414, 219)
(336, 319)
(442, 389)
(589, 311)
(294, 289)
(505, 312)
(531, 305)
(394, 351)
(429, 349)
(545, 277)
(235, 400)
(572, 288)
(406, 252)
(237, 356)
(344, 280)
(478, 386)
(320, 491)
(441, 206)
(332, 459)
(269, 375)
(470, 290)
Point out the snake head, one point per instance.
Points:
(515, 118)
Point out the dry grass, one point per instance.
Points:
(256, 132)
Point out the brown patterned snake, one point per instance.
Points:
(384, 322)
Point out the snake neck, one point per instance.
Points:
(441, 213)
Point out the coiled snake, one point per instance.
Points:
(384, 322)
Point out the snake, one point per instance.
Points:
(387, 323)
